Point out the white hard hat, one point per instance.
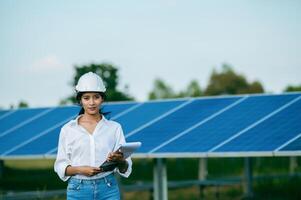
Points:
(90, 82)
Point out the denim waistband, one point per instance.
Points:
(92, 181)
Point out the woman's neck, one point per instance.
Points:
(95, 118)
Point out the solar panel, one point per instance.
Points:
(19, 117)
(180, 120)
(294, 145)
(170, 128)
(150, 111)
(2, 112)
(112, 109)
(271, 133)
(25, 133)
(207, 136)
(46, 139)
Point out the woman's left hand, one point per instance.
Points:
(116, 156)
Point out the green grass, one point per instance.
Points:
(23, 175)
(288, 188)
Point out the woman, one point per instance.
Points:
(87, 142)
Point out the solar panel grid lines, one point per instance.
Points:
(158, 118)
(255, 124)
(293, 146)
(225, 125)
(26, 121)
(8, 113)
(288, 142)
(51, 151)
(269, 125)
(270, 134)
(199, 124)
(178, 121)
(127, 111)
(38, 135)
(52, 134)
(144, 114)
(153, 105)
(31, 130)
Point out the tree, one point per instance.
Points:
(109, 74)
(292, 88)
(228, 82)
(193, 90)
(23, 104)
(161, 90)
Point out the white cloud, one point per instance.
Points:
(47, 63)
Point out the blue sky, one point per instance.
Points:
(41, 41)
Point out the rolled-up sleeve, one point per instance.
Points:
(62, 157)
(121, 140)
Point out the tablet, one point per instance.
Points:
(128, 148)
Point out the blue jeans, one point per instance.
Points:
(101, 189)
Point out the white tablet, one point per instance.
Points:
(128, 148)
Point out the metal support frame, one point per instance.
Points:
(160, 180)
(293, 164)
(247, 180)
(202, 175)
(1, 168)
(203, 169)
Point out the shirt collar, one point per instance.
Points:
(75, 121)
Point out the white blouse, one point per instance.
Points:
(77, 147)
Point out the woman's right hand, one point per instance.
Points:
(89, 171)
(84, 170)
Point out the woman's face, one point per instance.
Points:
(91, 102)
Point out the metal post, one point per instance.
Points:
(247, 181)
(1, 168)
(202, 174)
(203, 169)
(293, 165)
(160, 180)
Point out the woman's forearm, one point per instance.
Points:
(70, 170)
(83, 170)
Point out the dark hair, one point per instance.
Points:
(82, 110)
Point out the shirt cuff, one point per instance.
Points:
(62, 171)
(127, 173)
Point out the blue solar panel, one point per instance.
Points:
(270, 134)
(41, 145)
(200, 125)
(112, 109)
(18, 117)
(36, 127)
(49, 139)
(2, 112)
(293, 146)
(230, 122)
(178, 121)
(145, 113)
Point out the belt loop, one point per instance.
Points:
(80, 183)
(107, 182)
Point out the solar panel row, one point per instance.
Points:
(215, 126)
